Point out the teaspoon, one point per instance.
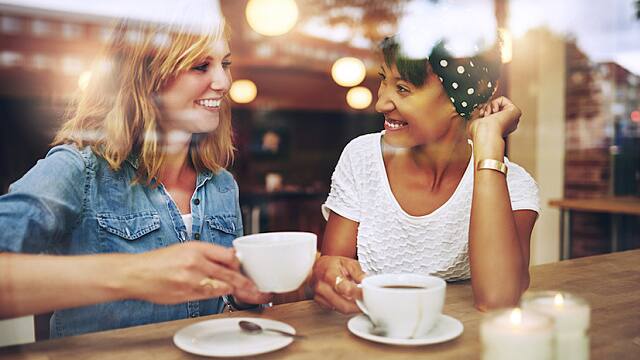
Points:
(253, 328)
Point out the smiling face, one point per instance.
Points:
(190, 102)
(414, 115)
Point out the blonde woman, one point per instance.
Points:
(139, 168)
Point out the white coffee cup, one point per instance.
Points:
(277, 262)
(403, 305)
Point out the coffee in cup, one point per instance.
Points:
(403, 305)
(406, 287)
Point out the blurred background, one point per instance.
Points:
(306, 79)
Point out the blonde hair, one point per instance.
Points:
(117, 114)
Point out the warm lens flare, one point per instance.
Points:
(359, 97)
(558, 300)
(243, 91)
(506, 48)
(348, 71)
(83, 80)
(271, 17)
(516, 316)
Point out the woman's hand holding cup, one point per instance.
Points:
(335, 281)
(189, 271)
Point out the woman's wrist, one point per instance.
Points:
(488, 143)
(125, 281)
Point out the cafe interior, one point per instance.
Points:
(305, 83)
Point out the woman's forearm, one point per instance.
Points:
(498, 267)
(32, 284)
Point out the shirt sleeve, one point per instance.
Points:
(343, 198)
(523, 190)
(44, 204)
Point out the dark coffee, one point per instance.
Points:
(406, 287)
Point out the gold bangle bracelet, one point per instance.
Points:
(492, 164)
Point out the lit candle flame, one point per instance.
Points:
(516, 316)
(558, 300)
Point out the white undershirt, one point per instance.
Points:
(188, 222)
(187, 219)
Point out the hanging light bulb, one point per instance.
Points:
(348, 71)
(243, 91)
(271, 17)
(359, 97)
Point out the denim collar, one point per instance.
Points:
(204, 175)
(134, 160)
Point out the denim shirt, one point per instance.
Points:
(72, 202)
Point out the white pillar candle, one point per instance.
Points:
(516, 334)
(571, 315)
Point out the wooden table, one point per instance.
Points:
(613, 205)
(610, 283)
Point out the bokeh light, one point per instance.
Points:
(243, 91)
(83, 80)
(359, 97)
(348, 71)
(272, 17)
(506, 48)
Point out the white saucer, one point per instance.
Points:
(446, 329)
(223, 337)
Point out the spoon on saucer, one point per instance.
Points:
(253, 328)
(375, 329)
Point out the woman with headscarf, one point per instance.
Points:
(433, 192)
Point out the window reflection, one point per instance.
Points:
(574, 70)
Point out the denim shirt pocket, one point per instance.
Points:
(129, 231)
(222, 229)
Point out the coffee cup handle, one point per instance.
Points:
(361, 304)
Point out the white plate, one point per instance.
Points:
(224, 338)
(446, 329)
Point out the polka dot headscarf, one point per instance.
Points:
(469, 81)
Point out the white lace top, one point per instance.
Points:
(390, 240)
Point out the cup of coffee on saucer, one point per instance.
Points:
(403, 306)
(277, 262)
